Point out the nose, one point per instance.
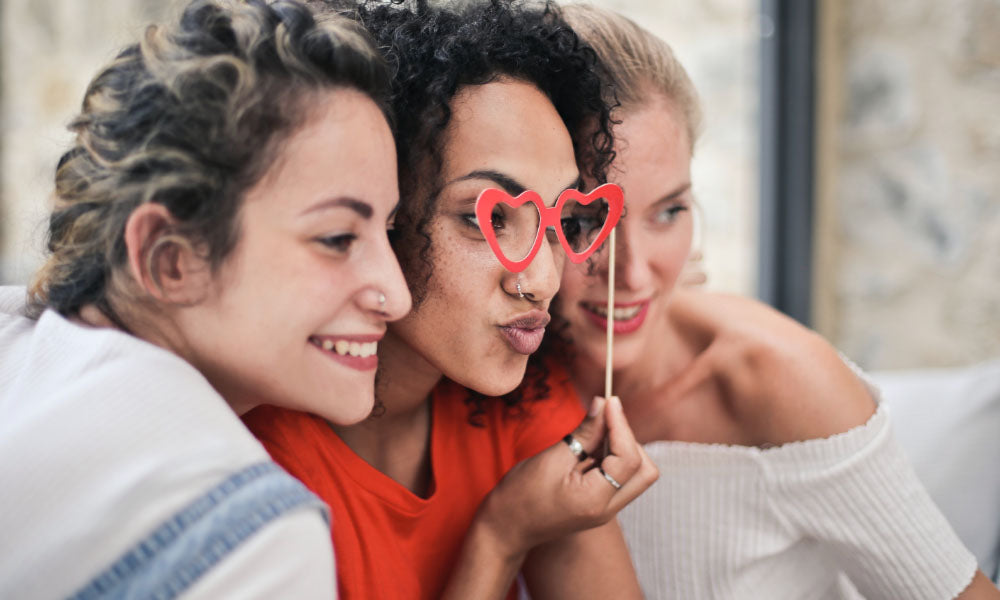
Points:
(387, 292)
(632, 270)
(540, 280)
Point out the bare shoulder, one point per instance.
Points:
(779, 381)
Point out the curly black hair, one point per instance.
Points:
(433, 50)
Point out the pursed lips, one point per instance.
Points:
(524, 333)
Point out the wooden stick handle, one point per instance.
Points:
(611, 316)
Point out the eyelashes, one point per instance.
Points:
(669, 214)
(340, 243)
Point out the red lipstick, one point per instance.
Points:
(622, 327)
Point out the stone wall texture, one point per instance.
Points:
(51, 48)
(914, 224)
(49, 51)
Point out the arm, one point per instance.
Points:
(486, 568)
(553, 496)
(593, 563)
(981, 588)
(588, 564)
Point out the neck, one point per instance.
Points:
(397, 440)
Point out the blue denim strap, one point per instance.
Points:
(185, 547)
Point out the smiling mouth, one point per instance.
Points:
(620, 313)
(360, 354)
(346, 347)
(624, 319)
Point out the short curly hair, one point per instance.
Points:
(190, 117)
(433, 50)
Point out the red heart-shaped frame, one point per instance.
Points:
(548, 217)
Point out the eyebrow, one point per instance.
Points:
(677, 192)
(362, 208)
(508, 183)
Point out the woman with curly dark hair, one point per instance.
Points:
(487, 95)
(219, 227)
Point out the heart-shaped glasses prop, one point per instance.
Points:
(514, 228)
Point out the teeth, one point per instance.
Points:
(345, 348)
(620, 314)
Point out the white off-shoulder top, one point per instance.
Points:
(840, 517)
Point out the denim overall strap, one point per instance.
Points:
(192, 541)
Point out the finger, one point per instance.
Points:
(645, 476)
(588, 433)
(621, 439)
(593, 428)
(585, 465)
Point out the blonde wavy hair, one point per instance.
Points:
(190, 117)
(636, 63)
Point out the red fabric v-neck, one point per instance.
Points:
(389, 543)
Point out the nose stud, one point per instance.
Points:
(381, 300)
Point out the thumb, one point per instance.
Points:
(591, 431)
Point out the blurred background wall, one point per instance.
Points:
(49, 51)
(908, 229)
(906, 269)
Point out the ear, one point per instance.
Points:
(165, 265)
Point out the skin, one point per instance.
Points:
(312, 258)
(471, 294)
(502, 134)
(701, 367)
(653, 167)
(455, 331)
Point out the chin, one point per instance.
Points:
(502, 380)
(342, 410)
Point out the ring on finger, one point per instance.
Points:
(611, 480)
(575, 447)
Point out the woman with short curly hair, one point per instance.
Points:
(487, 95)
(219, 233)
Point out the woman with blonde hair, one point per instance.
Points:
(218, 241)
(780, 476)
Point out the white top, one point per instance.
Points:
(948, 423)
(103, 437)
(796, 521)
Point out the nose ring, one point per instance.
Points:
(519, 292)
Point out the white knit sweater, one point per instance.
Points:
(824, 518)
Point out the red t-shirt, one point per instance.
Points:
(389, 543)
